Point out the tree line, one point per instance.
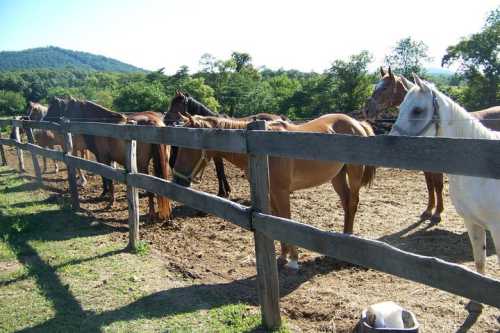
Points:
(237, 88)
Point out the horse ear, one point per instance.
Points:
(407, 83)
(382, 71)
(185, 118)
(178, 92)
(422, 85)
(389, 71)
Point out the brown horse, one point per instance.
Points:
(390, 92)
(288, 175)
(183, 103)
(109, 150)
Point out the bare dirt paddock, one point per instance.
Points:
(326, 295)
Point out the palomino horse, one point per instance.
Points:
(288, 175)
(50, 139)
(184, 103)
(390, 92)
(427, 112)
(109, 150)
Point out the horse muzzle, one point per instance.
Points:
(181, 181)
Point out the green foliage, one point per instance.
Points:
(12, 103)
(141, 96)
(408, 56)
(349, 83)
(55, 57)
(478, 57)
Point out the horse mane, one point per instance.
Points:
(464, 124)
(195, 107)
(99, 113)
(217, 122)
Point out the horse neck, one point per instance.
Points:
(238, 160)
(456, 122)
(195, 107)
(96, 113)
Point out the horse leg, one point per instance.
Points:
(143, 168)
(477, 237)
(429, 180)
(82, 180)
(354, 177)
(339, 183)
(44, 165)
(280, 205)
(221, 177)
(438, 188)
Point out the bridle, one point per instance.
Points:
(198, 169)
(433, 121)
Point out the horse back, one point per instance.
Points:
(489, 117)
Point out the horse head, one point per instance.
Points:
(418, 112)
(389, 92)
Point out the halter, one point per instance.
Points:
(433, 121)
(196, 170)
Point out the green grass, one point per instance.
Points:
(63, 272)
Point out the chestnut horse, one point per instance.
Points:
(109, 150)
(288, 175)
(390, 92)
(184, 103)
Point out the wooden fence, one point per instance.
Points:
(456, 156)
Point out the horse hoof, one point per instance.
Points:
(435, 218)
(425, 215)
(474, 307)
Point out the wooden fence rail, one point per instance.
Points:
(458, 156)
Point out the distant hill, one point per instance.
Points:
(439, 71)
(58, 58)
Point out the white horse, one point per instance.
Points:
(427, 112)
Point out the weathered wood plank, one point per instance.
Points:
(132, 195)
(97, 168)
(45, 152)
(209, 203)
(45, 125)
(5, 122)
(267, 269)
(68, 150)
(20, 157)
(215, 139)
(36, 165)
(456, 156)
(380, 256)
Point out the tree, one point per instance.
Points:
(12, 103)
(242, 60)
(478, 57)
(141, 96)
(347, 83)
(407, 57)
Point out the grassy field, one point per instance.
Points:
(63, 272)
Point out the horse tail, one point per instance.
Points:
(160, 162)
(369, 170)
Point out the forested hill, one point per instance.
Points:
(57, 58)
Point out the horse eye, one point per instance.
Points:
(417, 111)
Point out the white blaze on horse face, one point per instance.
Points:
(379, 84)
(415, 113)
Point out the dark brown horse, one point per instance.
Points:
(183, 103)
(108, 149)
(390, 92)
(288, 175)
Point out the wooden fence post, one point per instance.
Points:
(2, 152)
(36, 165)
(267, 269)
(20, 156)
(68, 150)
(132, 195)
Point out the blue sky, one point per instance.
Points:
(305, 35)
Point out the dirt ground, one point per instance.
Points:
(326, 295)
